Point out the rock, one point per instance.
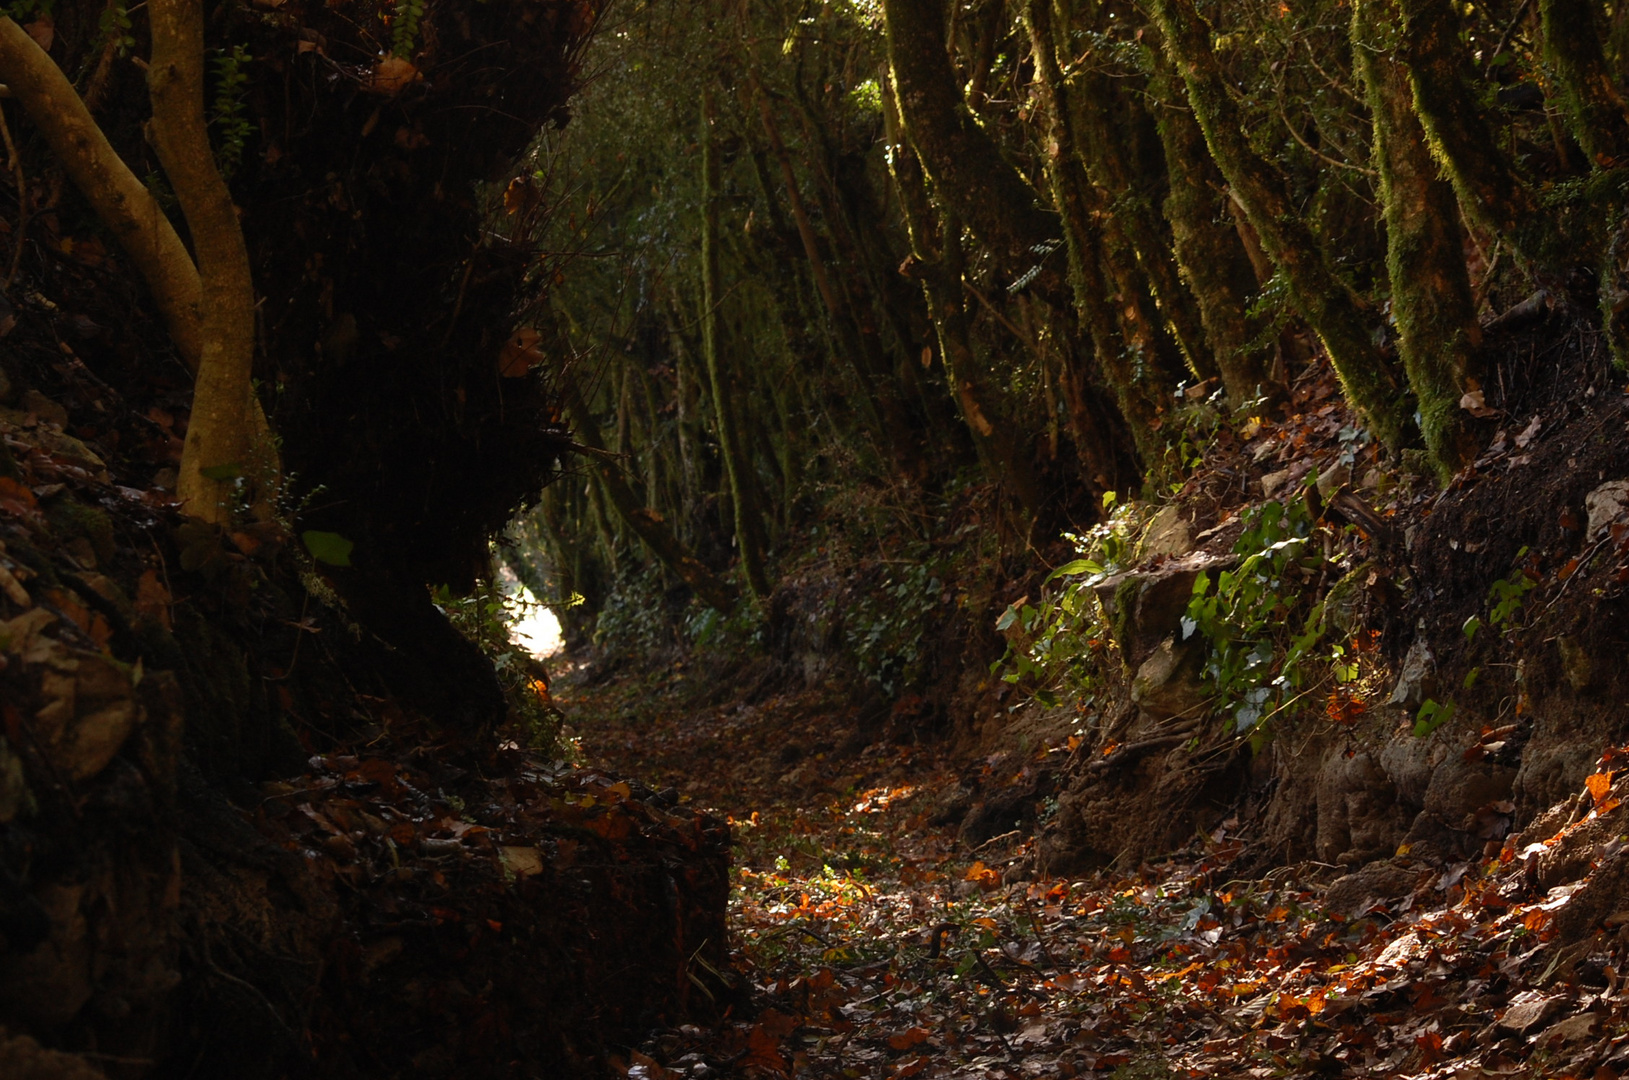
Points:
(1167, 534)
(1333, 479)
(43, 407)
(1576, 664)
(1571, 1030)
(1356, 892)
(1528, 1010)
(21, 1058)
(1168, 684)
(1413, 679)
(1146, 606)
(1359, 817)
(87, 704)
(1273, 481)
(1459, 788)
(1606, 504)
(1409, 762)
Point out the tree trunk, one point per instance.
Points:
(970, 177)
(939, 273)
(1071, 194)
(220, 445)
(1099, 107)
(1572, 48)
(1321, 297)
(748, 523)
(119, 199)
(1430, 286)
(1213, 258)
(1490, 192)
(646, 523)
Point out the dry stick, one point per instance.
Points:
(22, 203)
(1504, 38)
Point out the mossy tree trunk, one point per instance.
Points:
(1490, 192)
(1319, 295)
(1151, 287)
(938, 268)
(645, 522)
(970, 176)
(1595, 110)
(1208, 248)
(1072, 194)
(1430, 286)
(748, 522)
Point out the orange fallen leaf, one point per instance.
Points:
(1598, 784)
(910, 1037)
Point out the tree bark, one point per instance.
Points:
(1071, 193)
(1213, 258)
(939, 273)
(120, 200)
(1490, 192)
(646, 523)
(220, 443)
(1595, 109)
(969, 175)
(1430, 286)
(748, 522)
(1321, 297)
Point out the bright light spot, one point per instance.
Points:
(537, 631)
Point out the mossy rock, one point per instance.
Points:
(70, 518)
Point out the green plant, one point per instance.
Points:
(886, 629)
(484, 617)
(1432, 715)
(1063, 636)
(115, 26)
(1257, 663)
(1506, 598)
(404, 29)
(229, 115)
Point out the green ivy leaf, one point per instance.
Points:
(327, 547)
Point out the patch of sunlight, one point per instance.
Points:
(534, 627)
(537, 630)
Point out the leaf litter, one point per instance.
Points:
(874, 946)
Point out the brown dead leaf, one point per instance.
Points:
(908, 1038)
(43, 30)
(392, 75)
(520, 353)
(520, 196)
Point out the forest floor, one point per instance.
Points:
(876, 946)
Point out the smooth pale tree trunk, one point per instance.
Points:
(128, 209)
(1425, 255)
(220, 444)
(1322, 298)
(748, 522)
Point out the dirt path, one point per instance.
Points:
(877, 947)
